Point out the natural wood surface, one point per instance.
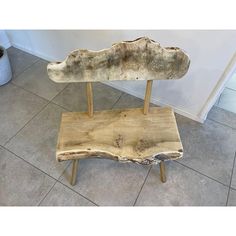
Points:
(140, 59)
(74, 172)
(147, 97)
(162, 172)
(90, 98)
(123, 135)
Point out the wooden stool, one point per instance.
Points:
(140, 135)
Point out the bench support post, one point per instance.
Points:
(162, 171)
(74, 172)
(147, 96)
(90, 98)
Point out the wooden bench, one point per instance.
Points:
(140, 135)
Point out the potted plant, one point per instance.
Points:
(5, 68)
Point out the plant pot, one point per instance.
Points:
(5, 67)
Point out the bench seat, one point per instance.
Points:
(123, 135)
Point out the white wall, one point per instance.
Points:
(4, 40)
(210, 53)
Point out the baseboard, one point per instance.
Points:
(35, 53)
(155, 101)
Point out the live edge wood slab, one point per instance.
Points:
(145, 136)
(141, 59)
(123, 135)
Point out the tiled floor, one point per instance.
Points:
(30, 110)
(227, 99)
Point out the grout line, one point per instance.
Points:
(71, 110)
(56, 180)
(27, 162)
(142, 186)
(18, 86)
(228, 126)
(60, 92)
(60, 106)
(39, 204)
(17, 75)
(234, 90)
(201, 173)
(230, 180)
(222, 109)
(48, 102)
(51, 101)
(78, 193)
(226, 109)
(122, 93)
(26, 124)
(73, 189)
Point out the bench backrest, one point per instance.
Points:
(140, 59)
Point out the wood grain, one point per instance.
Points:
(162, 172)
(74, 172)
(147, 97)
(90, 98)
(123, 135)
(140, 59)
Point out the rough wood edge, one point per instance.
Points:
(84, 154)
(73, 154)
(140, 59)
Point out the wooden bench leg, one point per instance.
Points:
(162, 171)
(74, 172)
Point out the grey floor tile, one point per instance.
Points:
(20, 60)
(17, 107)
(11, 51)
(128, 101)
(35, 79)
(222, 116)
(231, 82)
(36, 142)
(73, 97)
(232, 198)
(20, 183)
(108, 182)
(208, 148)
(184, 187)
(63, 196)
(228, 100)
